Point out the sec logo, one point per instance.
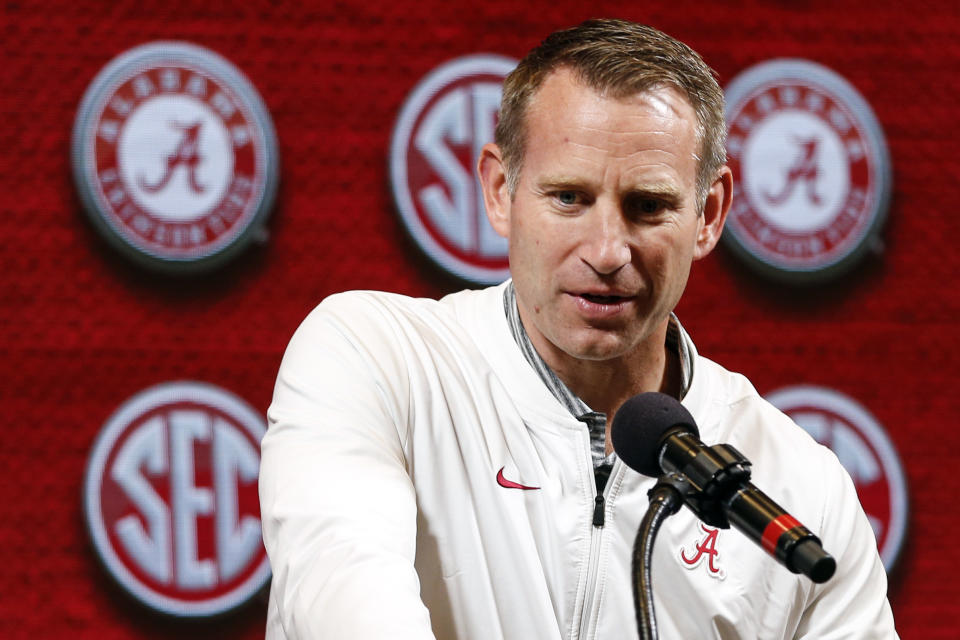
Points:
(444, 123)
(853, 434)
(170, 499)
(174, 157)
(811, 171)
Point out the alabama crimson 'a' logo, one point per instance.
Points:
(444, 123)
(171, 499)
(704, 552)
(174, 156)
(811, 170)
(865, 451)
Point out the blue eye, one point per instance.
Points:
(567, 197)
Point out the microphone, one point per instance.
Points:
(654, 434)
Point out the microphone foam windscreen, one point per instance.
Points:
(641, 423)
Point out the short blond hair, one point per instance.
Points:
(617, 58)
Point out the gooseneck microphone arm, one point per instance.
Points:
(666, 498)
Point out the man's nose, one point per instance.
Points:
(606, 246)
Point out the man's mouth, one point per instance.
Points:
(602, 299)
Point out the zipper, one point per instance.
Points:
(593, 566)
(598, 509)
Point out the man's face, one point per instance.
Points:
(604, 225)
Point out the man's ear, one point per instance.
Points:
(496, 194)
(714, 213)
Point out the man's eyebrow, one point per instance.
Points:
(661, 190)
(561, 181)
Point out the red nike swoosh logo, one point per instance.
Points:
(510, 484)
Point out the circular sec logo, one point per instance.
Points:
(863, 448)
(171, 499)
(174, 157)
(444, 123)
(811, 171)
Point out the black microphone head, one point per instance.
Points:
(640, 425)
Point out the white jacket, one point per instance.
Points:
(383, 516)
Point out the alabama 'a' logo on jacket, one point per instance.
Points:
(704, 552)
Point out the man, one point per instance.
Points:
(443, 468)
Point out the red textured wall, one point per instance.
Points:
(83, 330)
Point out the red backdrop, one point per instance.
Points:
(83, 329)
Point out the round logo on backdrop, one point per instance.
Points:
(444, 123)
(810, 167)
(170, 499)
(864, 450)
(175, 157)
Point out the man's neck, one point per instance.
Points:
(604, 385)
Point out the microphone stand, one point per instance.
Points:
(666, 498)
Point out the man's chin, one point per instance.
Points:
(607, 348)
